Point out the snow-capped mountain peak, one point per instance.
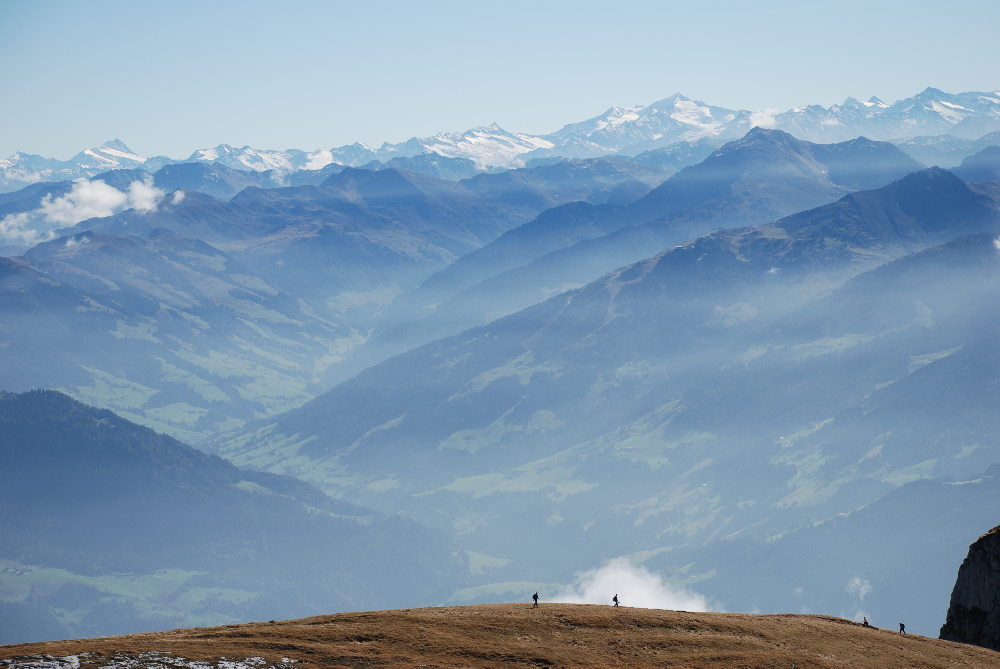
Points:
(639, 128)
(492, 127)
(249, 158)
(112, 154)
(487, 146)
(930, 92)
(117, 145)
(675, 100)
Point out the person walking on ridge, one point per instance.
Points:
(902, 628)
(615, 599)
(535, 597)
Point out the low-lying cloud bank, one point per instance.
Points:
(87, 199)
(635, 586)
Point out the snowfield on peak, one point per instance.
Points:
(249, 158)
(487, 146)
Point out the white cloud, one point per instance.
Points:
(319, 159)
(15, 229)
(635, 586)
(764, 118)
(861, 587)
(143, 196)
(87, 199)
(178, 197)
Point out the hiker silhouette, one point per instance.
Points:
(615, 599)
(535, 597)
(902, 628)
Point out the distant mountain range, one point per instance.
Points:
(753, 180)
(202, 315)
(619, 130)
(708, 356)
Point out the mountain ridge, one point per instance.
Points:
(753, 180)
(566, 635)
(139, 531)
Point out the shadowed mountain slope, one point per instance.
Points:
(946, 151)
(983, 166)
(137, 531)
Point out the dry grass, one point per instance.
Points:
(553, 635)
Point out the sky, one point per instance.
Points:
(171, 77)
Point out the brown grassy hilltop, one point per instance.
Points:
(553, 635)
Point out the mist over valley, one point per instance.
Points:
(702, 358)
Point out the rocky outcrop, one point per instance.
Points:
(974, 613)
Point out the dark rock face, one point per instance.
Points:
(974, 614)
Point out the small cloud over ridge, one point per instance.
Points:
(635, 586)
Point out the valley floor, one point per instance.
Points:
(511, 635)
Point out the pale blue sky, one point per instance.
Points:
(170, 77)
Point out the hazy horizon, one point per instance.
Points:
(174, 78)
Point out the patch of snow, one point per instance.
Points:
(954, 106)
(623, 115)
(947, 112)
(97, 156)
(487, 146)
(147, 660)
(122, 154)
(688, 111)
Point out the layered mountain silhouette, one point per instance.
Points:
(754, 180)
(982, 166)
(708, 368)
(202, 314)
(945, 150)
(731, 366)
